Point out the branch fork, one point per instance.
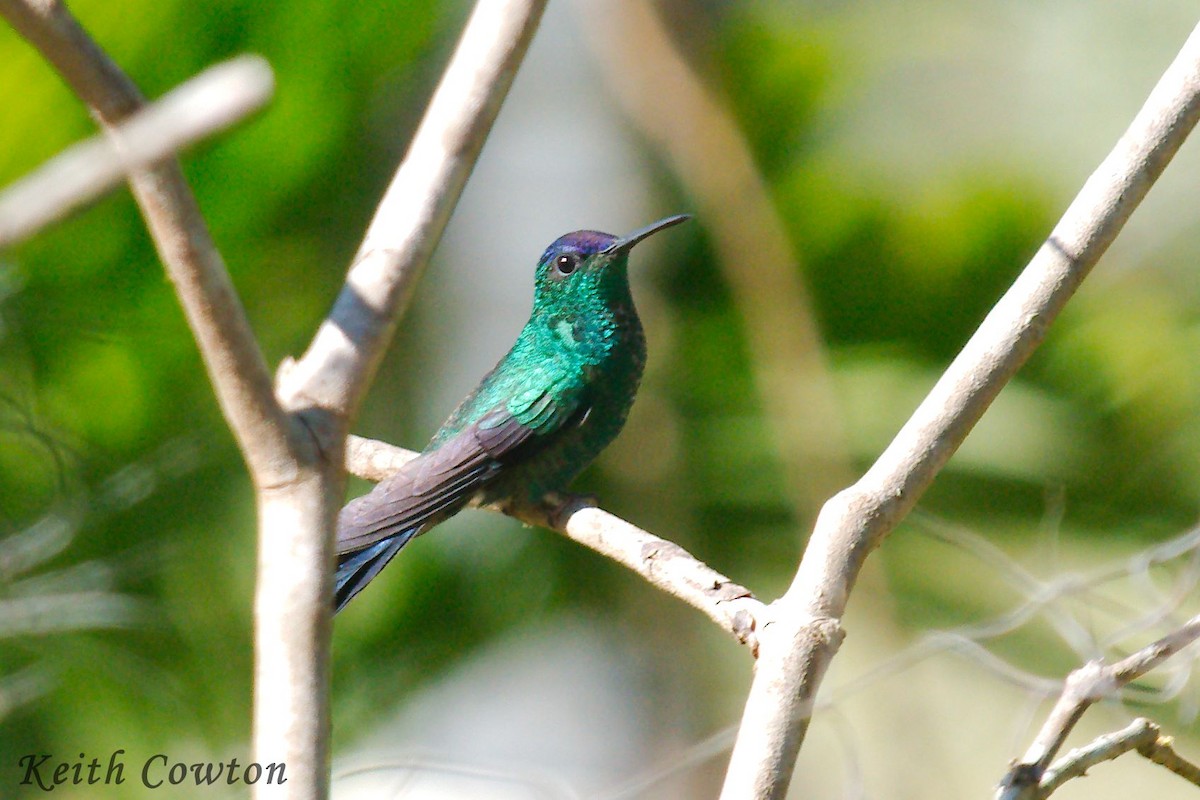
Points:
(1033, 776)
(300, 485)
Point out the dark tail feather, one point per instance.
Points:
(355, 570)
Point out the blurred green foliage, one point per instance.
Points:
(98, 371)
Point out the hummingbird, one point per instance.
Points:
(533, 423)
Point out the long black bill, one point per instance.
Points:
(626, 242)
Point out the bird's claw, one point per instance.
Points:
(559, 506)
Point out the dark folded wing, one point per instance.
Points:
(440, 481)
(435, 484)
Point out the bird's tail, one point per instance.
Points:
(355, 570)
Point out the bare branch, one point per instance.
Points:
(293, 606)
(1162, 752)
(328, 383)
(235, 364)
(214, 100)
(1091, 682)
(664, 564)
(337, 368)
(296, 458)
(1138, 734)
(298, 484)
(796, 650)
(1141, 735)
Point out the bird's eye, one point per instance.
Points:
(566, 263)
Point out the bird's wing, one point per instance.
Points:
(545, 408)
(439, 482)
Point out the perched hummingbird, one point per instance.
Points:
(535, 421)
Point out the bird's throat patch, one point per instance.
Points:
(565, 331)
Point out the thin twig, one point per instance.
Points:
(664, 564)
(1141, 735)
(214, 100)
(796, 650)
(21, 687)
(1075, 764)
(335, 372)
(1162, 752)
(1083, 687)
(231, 354)
(46, 614)
(1041, 597)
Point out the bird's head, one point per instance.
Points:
(588, 266)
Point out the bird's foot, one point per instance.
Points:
(559, 506)
(551, 510)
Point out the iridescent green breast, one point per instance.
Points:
(570, 378)
(610, 376)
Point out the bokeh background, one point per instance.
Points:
(867, 178)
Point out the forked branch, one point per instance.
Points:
(335, 372)
(1028, 778)
(798, 644)
(267, 437)
(293, 445)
